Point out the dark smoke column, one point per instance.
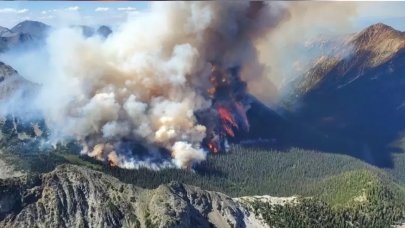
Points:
(230, 49)
(229, 105)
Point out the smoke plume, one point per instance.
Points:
(284, 53)
(169, 80)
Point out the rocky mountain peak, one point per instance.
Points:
(104, 31)
(376, 33)
(380, 41)
(34, 28)
(27, 24)
(378, 28)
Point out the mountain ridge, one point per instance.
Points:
(28, 33)
(380, 40)
(70, 195)
(10, 81)
(36, 29)
(359, 94)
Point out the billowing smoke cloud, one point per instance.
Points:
(145, 82)
(285, 52)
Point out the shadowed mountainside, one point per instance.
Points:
(357, 101)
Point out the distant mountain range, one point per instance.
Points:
(31, 33)
(24, 33)
(88, 31)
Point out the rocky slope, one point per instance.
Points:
(364, 50)
(7, 169)
(73, 196)
(10, 81)
(351, 99)
(23, 35)
(361, 94)
(13, 85)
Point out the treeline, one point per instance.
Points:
(251, 171)
(398, 171)
(22, 148)
(242, 171)
(310, 212)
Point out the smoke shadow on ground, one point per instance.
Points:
(281, 133)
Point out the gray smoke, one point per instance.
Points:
(145, 82)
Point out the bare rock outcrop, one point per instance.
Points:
(73, 196)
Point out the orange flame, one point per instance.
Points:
(228, 130)
(218, 78)
(212, 147)
(226, 116)
(113, 159)
(226, 90)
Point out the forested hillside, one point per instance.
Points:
(242, 171)
(337, 188)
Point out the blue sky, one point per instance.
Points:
(86, 6)
(390, 13)
(54, 12)
(112, 13)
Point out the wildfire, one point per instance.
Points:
(218, 79)
(113, 159)
(226, 116)
(228, 130)
(227, 92)
(212, 147)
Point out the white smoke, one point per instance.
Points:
(145, 82)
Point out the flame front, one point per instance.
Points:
(227, 121)
(228, 94)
